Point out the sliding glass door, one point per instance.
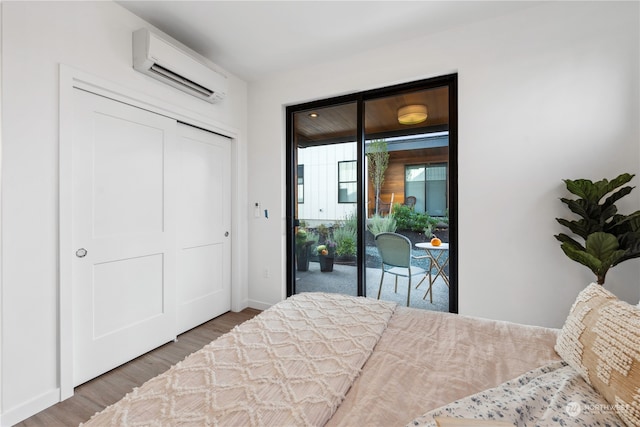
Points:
(326, 164)
(382, 160)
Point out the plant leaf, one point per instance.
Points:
(614, 197)
(581, 227)
(607, 212)
(630, 242)
(594, 191)
(601, 245)
(582, 207)
(604, 246)
(582, 188)
(563, 238)
(621, 179)
(582, 257)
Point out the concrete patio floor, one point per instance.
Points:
(343, 279)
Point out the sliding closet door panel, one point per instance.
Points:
(131, 200)
(124, 178)
(204, 222)
(129, 291)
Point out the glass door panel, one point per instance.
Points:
(436, 190)
(413, 129)
(415, 186)
(326, 165)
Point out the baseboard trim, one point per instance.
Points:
(29, 408)
(259, 305)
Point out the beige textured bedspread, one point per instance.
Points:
(426, 359)
(289, 366)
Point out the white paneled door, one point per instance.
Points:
(204, 218)
(124, 232)
(144, 204)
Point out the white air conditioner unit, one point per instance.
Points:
(178, 67)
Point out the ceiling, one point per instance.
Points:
(253, 39)
(337, 123)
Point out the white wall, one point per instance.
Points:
(94, 37)
(546, 93)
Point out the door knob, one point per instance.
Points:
(81, 253)
(226, 234)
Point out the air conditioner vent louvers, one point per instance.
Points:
(164, 73)
(181, 68)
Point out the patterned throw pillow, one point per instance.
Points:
(601, 340)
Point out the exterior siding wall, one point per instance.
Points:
(320, 205)
(394, 177)
(321, 183)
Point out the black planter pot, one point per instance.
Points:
(326, 263)
(302, 257)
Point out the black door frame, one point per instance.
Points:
(451, 81)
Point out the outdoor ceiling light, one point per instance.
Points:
(412, 114)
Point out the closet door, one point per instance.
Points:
(204, 221)
(125, 162)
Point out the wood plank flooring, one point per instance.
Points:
(97, 394)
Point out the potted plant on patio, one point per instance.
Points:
(303, 249)
(346, 243)
(609, 237)
(326, 254)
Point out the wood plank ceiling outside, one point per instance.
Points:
(337, 123)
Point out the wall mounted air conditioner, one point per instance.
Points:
(178, 67)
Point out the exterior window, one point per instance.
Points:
(347, 182)
(300, 183)
(428, 184)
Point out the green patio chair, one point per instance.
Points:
(395, 251)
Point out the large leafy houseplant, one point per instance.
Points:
(609, 238)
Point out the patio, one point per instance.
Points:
(343, 279)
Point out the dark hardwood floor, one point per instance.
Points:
(97, 394)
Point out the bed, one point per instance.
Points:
(327, 359)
